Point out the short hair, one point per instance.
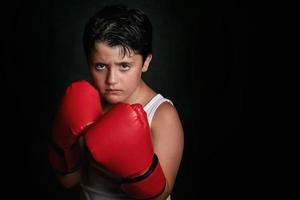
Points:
(116, 25)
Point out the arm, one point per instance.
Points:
(72, 179)
(168, 142)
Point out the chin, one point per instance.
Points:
(112, 100)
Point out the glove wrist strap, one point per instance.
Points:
(149, 185)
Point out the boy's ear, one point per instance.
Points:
(147, 62)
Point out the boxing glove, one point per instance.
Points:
(120, 142)
(79, 107)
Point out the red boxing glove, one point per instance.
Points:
(120, 141)
(79, 107)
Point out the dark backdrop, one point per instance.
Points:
(201, 59)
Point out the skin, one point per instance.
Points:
(118, 78)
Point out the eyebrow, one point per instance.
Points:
(116, 63)
(123, 62)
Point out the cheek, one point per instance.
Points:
(98, 80)
(133, 81)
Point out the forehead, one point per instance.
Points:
(103, 50)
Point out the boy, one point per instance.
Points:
(129, 136)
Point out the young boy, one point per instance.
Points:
(129, 136)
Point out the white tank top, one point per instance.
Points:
(97, 183)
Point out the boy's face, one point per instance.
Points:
(117, 76)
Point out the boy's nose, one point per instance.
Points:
(111, 78)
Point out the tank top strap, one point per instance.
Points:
(153, 104)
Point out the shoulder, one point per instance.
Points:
(165, 111)
(166, 117)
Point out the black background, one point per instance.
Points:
(201, 57)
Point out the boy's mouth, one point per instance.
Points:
(113, 91)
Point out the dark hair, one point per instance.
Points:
(117, 25)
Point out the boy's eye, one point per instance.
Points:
(100, 66)
(125, 67)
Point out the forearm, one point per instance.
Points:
(70, 180)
